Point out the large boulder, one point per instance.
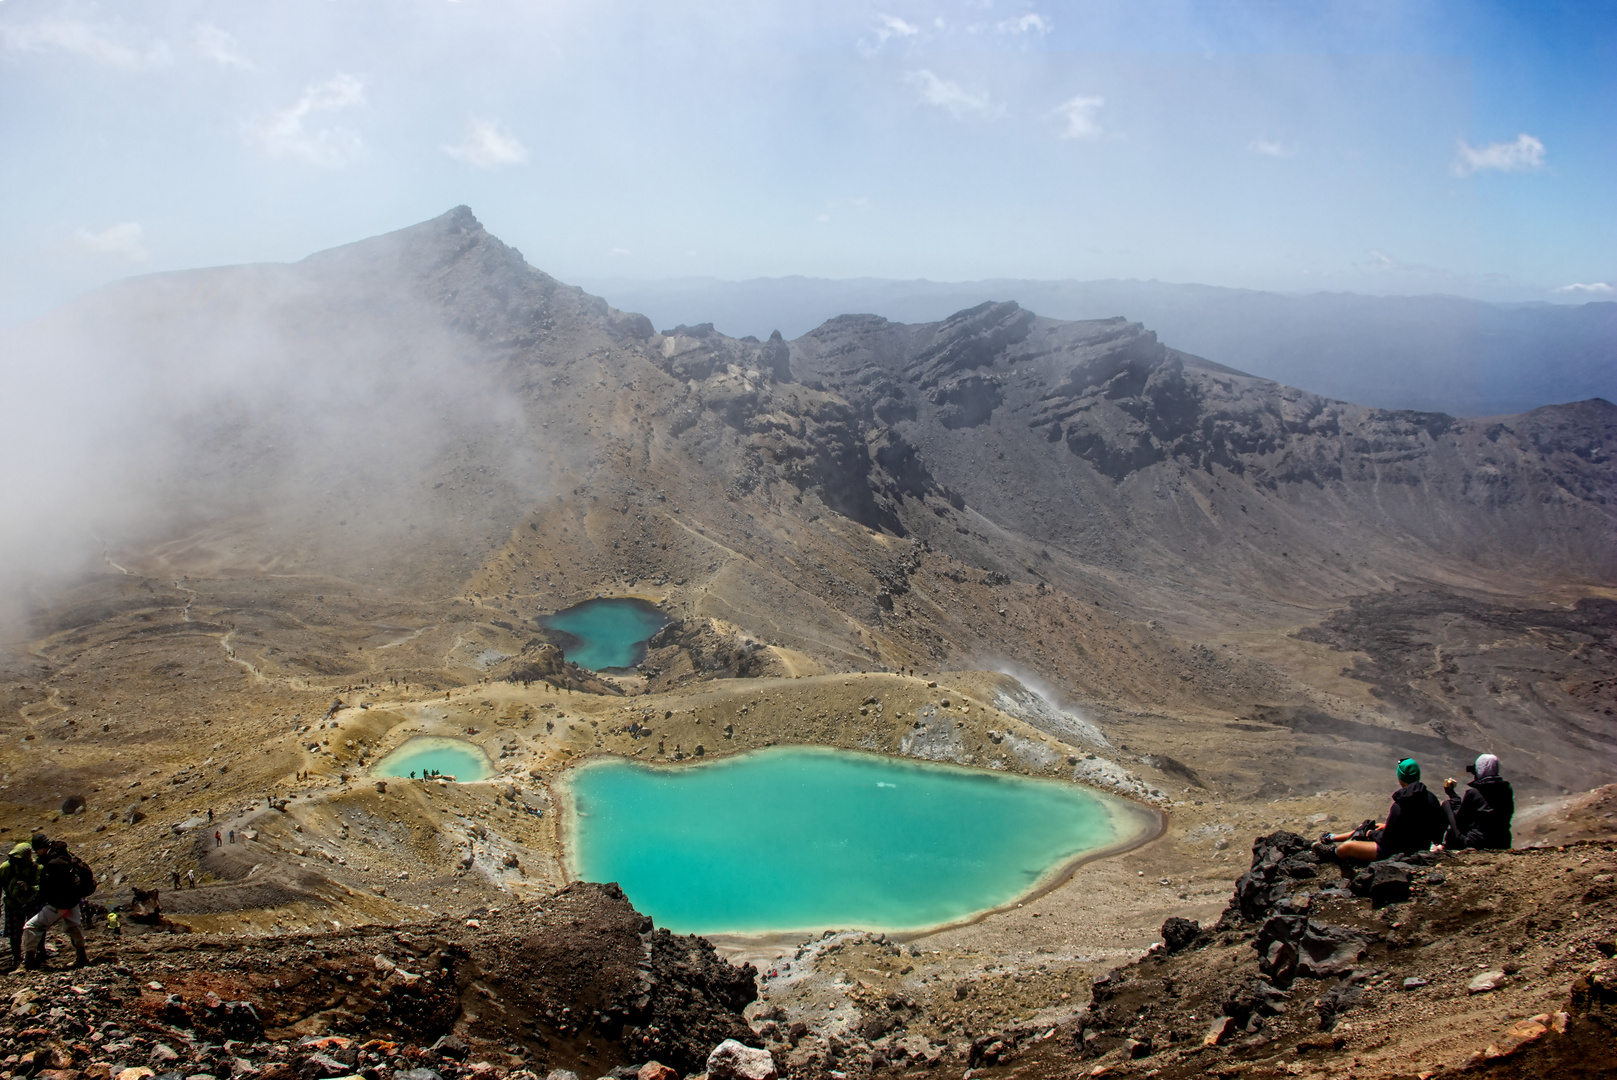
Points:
(731, 1060)
(1325, 951)
(1278, 943)
(1179, 933)
(1252, 1000)
(1389, 884)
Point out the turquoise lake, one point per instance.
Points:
(607, 634)
(451, 757)
(809, 838)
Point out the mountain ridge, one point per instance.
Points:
(421, 431)
(1434, 352)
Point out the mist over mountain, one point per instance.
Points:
(455, 442)
(1436, 353)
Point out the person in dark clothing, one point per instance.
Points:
(64, 882)
(1482, 816)
(1416, 821)
(19, 886)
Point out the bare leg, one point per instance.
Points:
(1356, 851)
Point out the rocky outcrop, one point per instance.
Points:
(706, 649)
(543, 661)
(581, 981)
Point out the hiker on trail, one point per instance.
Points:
(1482, 815)
(191, 876)
(210, 815)
(216, 840)
(19, 886)
(176, 875)
(232, 836)
(1416, 821)
(64, 882)
(114, 924)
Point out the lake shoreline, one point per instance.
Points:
(1130, 823)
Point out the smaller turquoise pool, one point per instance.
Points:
(605, 635)
(446, 757)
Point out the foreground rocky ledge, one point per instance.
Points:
(1481, 963)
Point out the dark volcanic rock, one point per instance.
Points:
(596, 973)
(1178, 934)
(1389, 884)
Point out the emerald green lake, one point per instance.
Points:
(606, 634)
(450, 757)
(809, 838)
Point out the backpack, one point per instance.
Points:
(65, 875)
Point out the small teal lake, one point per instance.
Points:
(809, 838)
(448, 757)
(607, 634)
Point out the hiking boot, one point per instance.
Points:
(34, 961)
(1325, 850)
(81, 958)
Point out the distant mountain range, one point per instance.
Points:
(421, 432)
(1437, 353)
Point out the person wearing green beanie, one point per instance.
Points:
(1417, 821)
(19, 888)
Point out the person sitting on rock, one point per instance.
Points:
(1482, 816)
(1416, 822)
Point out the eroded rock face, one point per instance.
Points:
(986, 396)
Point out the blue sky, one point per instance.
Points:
(1376, 147)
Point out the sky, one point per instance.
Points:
(1414, 147)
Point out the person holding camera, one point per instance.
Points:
(1482, 815)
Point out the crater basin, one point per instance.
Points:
(810, 838)
(607, 634)
(449, 757)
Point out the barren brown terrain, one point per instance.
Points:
(1062, 549)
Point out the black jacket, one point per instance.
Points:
(1416, 821)
(1482, 816)
(64, 879)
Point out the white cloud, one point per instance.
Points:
(123, 241)
(1079, 115)
(1381, 262)
(951, 96)
(1267, 148)
(1031, 23)
(488, 145)
(212, 43)
(888, 27)
(891, 26)
(103, 44)
(286, 134)
(1524, 154)
(1599, 288)
(615, 252)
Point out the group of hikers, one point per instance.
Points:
(427, 774)
(43, 883)
(1419, 820)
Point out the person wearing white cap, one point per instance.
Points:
(1482, 816)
